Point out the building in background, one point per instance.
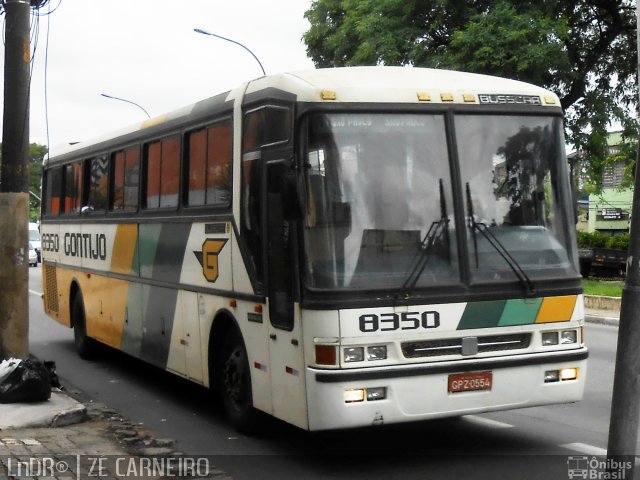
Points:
(610, 210)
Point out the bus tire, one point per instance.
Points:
(236, 385)
(86, 347)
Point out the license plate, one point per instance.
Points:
(469, 382)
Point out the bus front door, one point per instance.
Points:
(285, 343)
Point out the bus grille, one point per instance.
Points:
(453, 346)
(51, 283)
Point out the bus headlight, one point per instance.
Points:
(357, 354)
(549, 338)
(568, 336)
(564, 337)
(354, 354)
(377, 352)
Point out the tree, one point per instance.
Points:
(583, 50)
(36, 156)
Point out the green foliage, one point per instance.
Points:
(584, 50)
(509, 43)
(620, 241)
(36, 156)
(591, 239)
(604, 289)
(600, 240)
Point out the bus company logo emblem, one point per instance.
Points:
(208, 257)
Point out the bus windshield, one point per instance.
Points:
(380, 212)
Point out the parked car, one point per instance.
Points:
(33, 256)
(34, 237)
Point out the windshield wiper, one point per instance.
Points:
(436, 231)
(484, 229)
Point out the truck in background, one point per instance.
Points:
(602, 261)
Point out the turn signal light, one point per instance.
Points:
(326, 355)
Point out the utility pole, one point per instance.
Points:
(625, 405)
(14, 191)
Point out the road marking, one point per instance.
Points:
(487, 422)
(586, 449)
(33, 292)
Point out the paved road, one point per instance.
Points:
(533, 443)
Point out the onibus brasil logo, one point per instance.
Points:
(593, 468)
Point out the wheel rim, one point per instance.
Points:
(235, 378)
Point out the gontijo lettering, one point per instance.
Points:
(86, 245)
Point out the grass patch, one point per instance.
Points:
(603, 288)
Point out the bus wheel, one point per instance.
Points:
(86, 347)
(236, 385)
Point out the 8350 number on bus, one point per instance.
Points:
(389, 322)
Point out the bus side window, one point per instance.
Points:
(53, 187)
(72, 188)
(219, 153)
(125, 174)
(162, 173)
(97, 195)
(197, 164)
(170, 172)
(209, 165)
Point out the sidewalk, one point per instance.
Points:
(64, 435)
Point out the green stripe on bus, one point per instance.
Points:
(520, 312)
(148, 236)
(481, 314)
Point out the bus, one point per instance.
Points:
(336, 248)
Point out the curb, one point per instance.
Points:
(598, 302)
(60, 410)
(71, 416)
(600, 320)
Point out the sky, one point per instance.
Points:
(146, 51)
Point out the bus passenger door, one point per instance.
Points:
(285, 343)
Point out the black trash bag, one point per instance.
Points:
(51, 368)
(30, 381)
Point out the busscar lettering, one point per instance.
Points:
(86, 245)
(506, 98)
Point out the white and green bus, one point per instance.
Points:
(336, 248)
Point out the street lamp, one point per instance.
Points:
(127, 101)
(204, 32)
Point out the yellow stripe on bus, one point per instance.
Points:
(556, 309)
(105, 303)
(124, 248)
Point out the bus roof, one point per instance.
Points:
(396, 85)
(352, 84)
